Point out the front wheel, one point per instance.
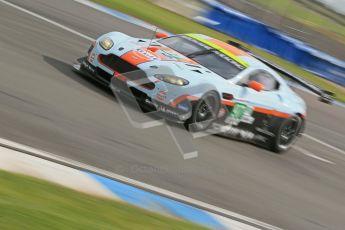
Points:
(287, 134)
(204, 112)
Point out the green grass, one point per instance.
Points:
(324, 10)
(31, 204)
(175, 23)
(307, 16)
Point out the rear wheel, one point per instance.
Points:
(204, 112)
(287, 134)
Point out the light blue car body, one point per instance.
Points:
(200, 78)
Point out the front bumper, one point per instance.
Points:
(84, 67)
(179, 113)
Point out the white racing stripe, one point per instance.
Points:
(175, 196)
(309, 154)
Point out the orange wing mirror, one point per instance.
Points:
(161, 35)
(256, 86)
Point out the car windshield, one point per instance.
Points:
(182, 45)
(204, 55)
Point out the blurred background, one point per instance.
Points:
(321, 23)
(308, 34)
(45, 105)
(311, 21)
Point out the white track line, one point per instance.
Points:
(47, 20)
(327, 130)
(324, 143)
(309, 154)
(81, 166)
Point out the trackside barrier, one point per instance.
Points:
(229, 21)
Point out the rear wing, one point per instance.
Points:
(325, 96)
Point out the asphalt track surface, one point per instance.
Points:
(44, 104)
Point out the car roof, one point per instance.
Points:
(233, 52)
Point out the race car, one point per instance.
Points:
(203, 82)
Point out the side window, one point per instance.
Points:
(265, 78)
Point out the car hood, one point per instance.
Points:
(153, 53)
(156, 58)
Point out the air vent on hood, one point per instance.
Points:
(197, 71)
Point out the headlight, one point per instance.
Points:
(174, 80)
(106, 43)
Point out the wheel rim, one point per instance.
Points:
(289, 132)
(204, 112)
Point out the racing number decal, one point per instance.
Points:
(240, 113)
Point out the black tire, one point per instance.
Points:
(287, 134)
(204, 112)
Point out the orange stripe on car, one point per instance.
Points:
(136, 58)
(232, 49)
(182, 98)
(271, 112)
(261, 110)
(228, 103)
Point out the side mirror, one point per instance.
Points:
(256, 86)
(161, 35)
